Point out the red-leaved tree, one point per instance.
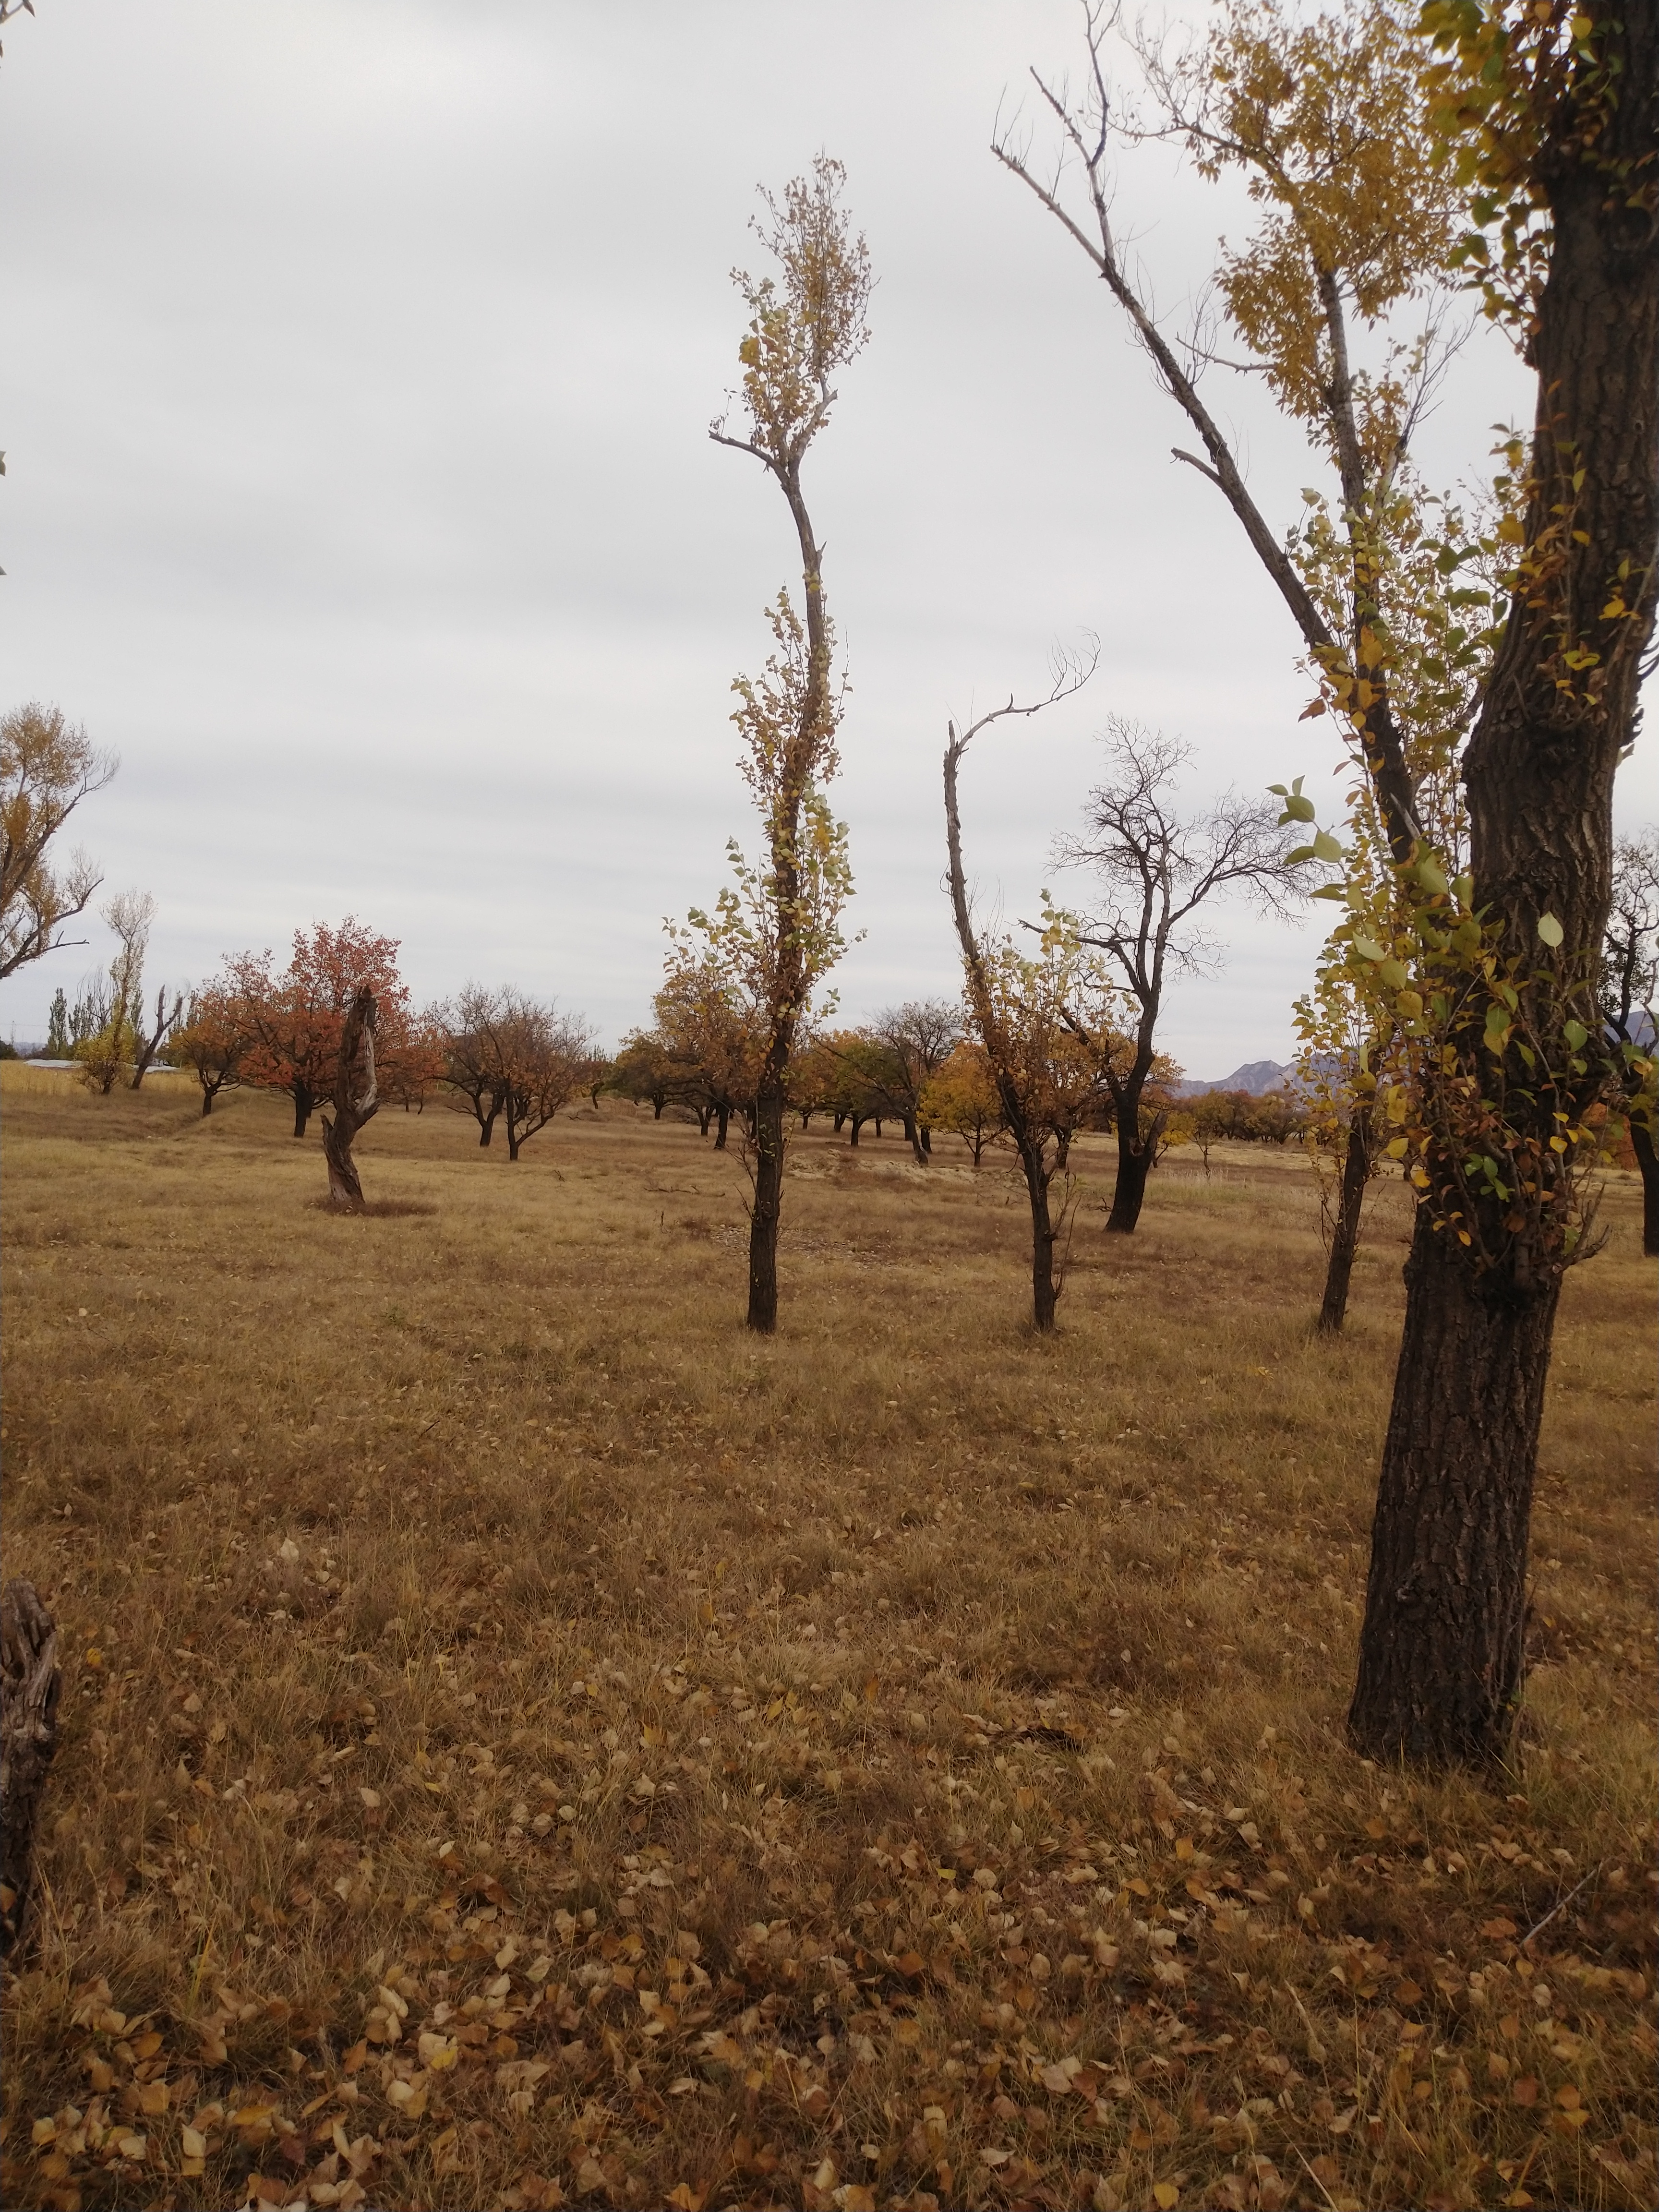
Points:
(294, 1020)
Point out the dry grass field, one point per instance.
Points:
(528, 1742)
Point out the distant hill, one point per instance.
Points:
(1258, 1077)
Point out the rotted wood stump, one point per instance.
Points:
(29, 1684)
(356, 1102)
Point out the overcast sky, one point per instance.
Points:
(358, 369)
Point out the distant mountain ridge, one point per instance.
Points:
(1257, 1077)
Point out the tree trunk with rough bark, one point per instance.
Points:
(355, 1102)
(1344, 1231)
(1134, 1164)
(1440, 1665)
(1440, 1655)
(767, 1210)
(29, 1686)
(1045, 1290)
(1647, 1161)
(303, 1103)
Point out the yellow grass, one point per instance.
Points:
(528, 1741)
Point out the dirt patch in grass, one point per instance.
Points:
(528, 1741)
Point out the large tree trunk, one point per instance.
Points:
(29, 1684)
(1440, 1651)
(1641, 1143)
(303, 1103)
(1134, 1164)
(767, 1211)
(355, 1102)
(1345, 1233)
(1440, 1655)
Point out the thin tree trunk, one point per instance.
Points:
(722, 1117)
(1641, 1143)
(914, 1136)
(303, 1103)
(857, 1120)
(767, 1211)
(355, 1102)
(1345, 1234)
(29, 1684)
(1045, 1291)
(1440, 1655)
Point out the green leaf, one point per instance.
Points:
(1393, 973)
(1299, 809)
(1324, 847)
(1330, 892)
(1431, 876)
(1550, 929)
(1301, 853)
(1577, 1035)
(1368, 948)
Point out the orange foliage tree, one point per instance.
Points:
(294, 1021)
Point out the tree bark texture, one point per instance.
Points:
(303, 1103)
(355, 1102)
(1345, 1232)
(29, 1686)
(1134, 1164)
(1045, 1291)
(1641, 1143)
(767, 1209)
(1440, 1652)
(1440, 1655)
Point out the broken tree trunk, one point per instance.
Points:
(355, 1102)
(29, 1683)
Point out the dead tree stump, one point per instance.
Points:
(355, 1102)
(29, 1683)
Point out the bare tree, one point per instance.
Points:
(48, 765)
(1630, 990)
(544, 1060)
(513, 1060)
(1157, 869)
(779, 933)
(1014, 1054)
(473, 1062)
(919, 1036)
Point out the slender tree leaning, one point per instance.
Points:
(1019, 1087)
(779, 932)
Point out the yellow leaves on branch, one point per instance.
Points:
(1330, 121)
